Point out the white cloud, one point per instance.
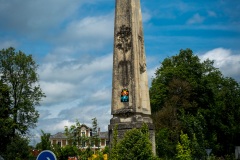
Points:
(151, 72)
(212, 14)
(60, 126)
(30, 16)
(59, 54)
(53, 125)
(8, 43)
(225, 60)
(196, 19)
(74, 69)
(65, 80)
(44, 114)
(90, 32)
(85, 114)
(102, 95)
(146, 16)
(68, 117)
(57, 91)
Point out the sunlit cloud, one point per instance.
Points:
(196, 19)
(226, 60)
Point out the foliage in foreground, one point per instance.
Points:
(45, 143)
(183, 148)
(134, 145)
(17, 149)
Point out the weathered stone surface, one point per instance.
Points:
(129, 61)
(129, 71)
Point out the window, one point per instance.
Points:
(83, 144)
(102, 142)
(54, 142)
(97, 142)
(64, 142)
(83, 133)
(92, 142)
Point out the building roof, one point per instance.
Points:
(59, 135)
(83, 125)
(103, 135)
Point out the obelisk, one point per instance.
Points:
(130, 93)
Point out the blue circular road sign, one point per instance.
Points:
(46, 155)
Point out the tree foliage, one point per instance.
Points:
(19, 94)
(114, 152)
(19, 73)
(18, 148)
(95, 135)
(45, 143)
(134, 145)
(194, 97)
(62, 153)
(183, 148)
(76, 138)
(6, 122)
(74, 134)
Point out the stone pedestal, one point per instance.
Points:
(129, 122)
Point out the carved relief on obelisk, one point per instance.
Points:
(124, 45)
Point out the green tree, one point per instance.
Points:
(57, 150)
(18, 148)
(6, 122)
(95, 135)
(195, 97)
(74, 134)
(225, 116)
(19, 72)
(19, 94)
(194, 128)
(77, 140)
(165, 146)
(45, 143)
(183, 148)
(114, 149)
(135, 145)
(68, 151)
(178, 82)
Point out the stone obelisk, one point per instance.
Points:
(130, 92)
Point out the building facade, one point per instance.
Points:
(88, 139)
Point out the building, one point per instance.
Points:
(86, 139)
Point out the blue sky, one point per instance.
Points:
(72, 41)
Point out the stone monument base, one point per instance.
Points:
(129, 122)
